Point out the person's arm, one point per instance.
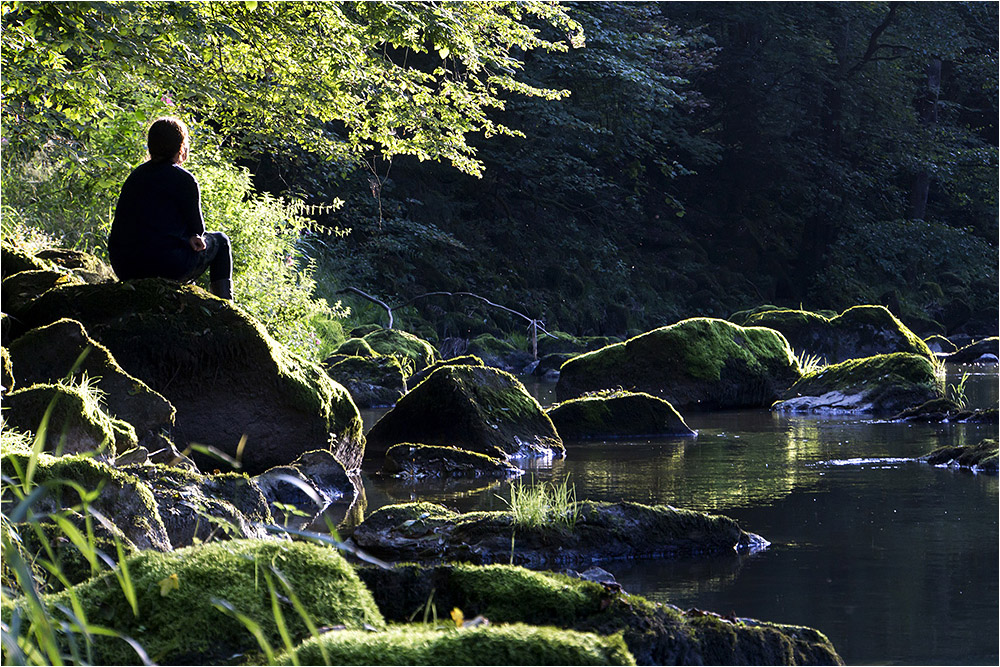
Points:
(194, 224)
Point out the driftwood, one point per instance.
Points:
(534, 325)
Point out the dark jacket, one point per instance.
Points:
(158, 211)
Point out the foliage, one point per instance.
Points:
(546, 504)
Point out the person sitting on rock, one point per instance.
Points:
(158, 230)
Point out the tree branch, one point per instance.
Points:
(873, 44)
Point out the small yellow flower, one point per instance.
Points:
(457, 616)
(171, 583)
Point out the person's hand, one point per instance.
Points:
(197, 243)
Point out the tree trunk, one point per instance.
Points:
(927, 107)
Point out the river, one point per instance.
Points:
(895, 561)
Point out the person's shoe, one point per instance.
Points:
(222, 289)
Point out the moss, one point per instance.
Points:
(620, 414)
(883, 383)
(481, 409)
(393, 342)
(484, 645)
(356, 347)
(183, 625)
(654, 633)
(7, 379)
(937, 343)
(971, 353)
(75, 423)
(195, 349)
(84, 265)
(877, 322)
(700, 361)
(741, 317)
(15, 259)
(982, 456)
(124, 499)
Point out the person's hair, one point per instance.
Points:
(165, 138)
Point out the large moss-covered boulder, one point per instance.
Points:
(356, 347)
(14, 258)
(617, 415)
(373, 381)
(655, 634)
(189, 601)
(981, 457)
(233, 386)
(64, 350)
(700, 362)
(940, 345)
(861, 331)
(393, 342)
(982, 351)
(887, 383)
(123, 498)
(481, 409)
(463, 360)
(414, 461)
(582, 532)
(483, 644)
(498, 353)
(69, 418)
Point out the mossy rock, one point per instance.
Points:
(498, 353)
(309, 484)
(7, 380)
(124, 499)
(986, 350)
(617, 415)
(373, 382)
(701, 362)
(858, 332)
(415, 461)
(586, 533)
(365, 329)
(197, 508)
(16, 259)
(21, 289)
(72, 418)
(742, 317)
(887, 383)
(224, 374)
(85, 266)
(940, 345)
(557, 342)
(513, 644)
(393, 342)
(356, 347)
(63, 349)
(981, 457)
(655, 634)
(480, 409)
(187, 599)
(463, 360)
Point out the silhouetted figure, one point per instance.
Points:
(158, 230)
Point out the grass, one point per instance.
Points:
(539, 505)
(956, 392)
(809, 363)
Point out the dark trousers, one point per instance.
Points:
(217, 258)
(176, 263)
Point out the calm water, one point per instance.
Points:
(897, 562)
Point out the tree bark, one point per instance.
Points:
(927, 107)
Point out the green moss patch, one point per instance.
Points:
(884, 383)
(356, 347)
(617, 415)
(655, 634)
(700, 362)
(484, 645)
(481, 409)
(181, 598)
(393, 342)
(373, 381)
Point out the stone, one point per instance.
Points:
(373, 382)
(858, 332)
(403, 345)
(64, 350)
(498, 353)
(309, 484)
(981, 457)
(887, 383)
(464, 360)
(656, 634)
(985, 351)
(356, 347)
(85, 266)
(617, 415)
(940, 345)
(480, 409)
(234, 387)
(699, 363)
(414, 461)
(425, 532)
(7, 380)
(69, 419)
(22, 288)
